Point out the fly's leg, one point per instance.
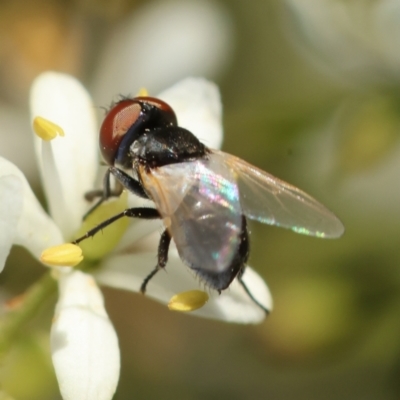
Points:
(139, 212)
(133, 185)
(243, 255)
(162, 258)
(123, 181)
(246, 289)
(103, 194)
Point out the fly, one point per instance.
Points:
(205, 195)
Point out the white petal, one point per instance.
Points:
(233, 305)
(197, 104)
(68, 164)
(11, 200)
(162, 42)
(84, 344)
(35, 230)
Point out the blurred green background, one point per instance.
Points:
(311, 93)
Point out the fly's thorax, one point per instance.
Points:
(166, 145)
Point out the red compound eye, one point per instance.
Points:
(115, 125)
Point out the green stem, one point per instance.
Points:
(12, 322)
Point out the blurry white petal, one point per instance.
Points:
(11, 200)
(35, 230)
(197, 104)
(233, 305)
(163, 42)
(68, 164)
(84, 344)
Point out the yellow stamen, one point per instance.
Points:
(46, 129)
(67, 254)
(143, 92)
(188, 301)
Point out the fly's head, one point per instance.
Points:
(129, 120)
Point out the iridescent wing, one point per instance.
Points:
(199, 203)
(272, 201)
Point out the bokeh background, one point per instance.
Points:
(311, 93)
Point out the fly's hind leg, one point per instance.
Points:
(162, 258)
(247, 290)
(243, 255)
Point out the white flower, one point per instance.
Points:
(83, 341)
(357, 38)
(84, 345)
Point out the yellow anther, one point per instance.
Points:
(143, 92)
(46, 129)
(67, 254)
(188, 301)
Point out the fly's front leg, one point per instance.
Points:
(133, 185)
(162, 258)
(103, 194)
(123, 181)
(139, 212)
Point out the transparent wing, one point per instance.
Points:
(199, 203)
(269, 200)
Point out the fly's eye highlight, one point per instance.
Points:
(115, 125)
